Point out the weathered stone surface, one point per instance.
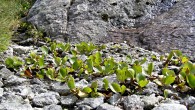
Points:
(92, 102)
(46, 99)
(50, 15)
(15, 106)
(170, 107)
(173, 29)
(52, 107)
(68, 100)
(133, 102)
(107, 106)
(90, 20)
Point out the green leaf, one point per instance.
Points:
(166, 93)
(123, 89)
(9, 62)
(129, 59)
(71, 83)
(45, 50)
(150, 68)
(64, 60)
(106, 84)
(58, 61)
(191, 80)
(53, 47)
(137, 68)
(77, 64)
(143, 83)
(143, 61)
(98, 58)
(130, 73)
(63, 72)
(121, 74)
(41, 74)
(115, 87)
(87, 90)
(89, 65)
(169, 79)
(41, 62)
(50, 73)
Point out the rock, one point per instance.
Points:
(15, 106)
(23, 91)
(48, 98)
(18, 50)
(61, 88)
(50, 15)
(133, 102)
(1, 84)
(92, 102)
(106, 106)
(81, 84)
(173, 29)
(170, 107)
(15, 80)
(84, 20)
(115, 99)
(188, 101)
(39, 88)
(150, 101)
(1, 92)
(5, 73)
(52, 107)
(83, 107)
(68, 100)
(151, 88)
(11, 98)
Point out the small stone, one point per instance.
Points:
(81, 84)
(52, 107)
(1, 92)
(189, 101)
(68, 100)
(133, 102)
(1, 84)
(166, 106)
(151, 88)
(38, 88)
(48, 98)
(83, 107)
(5, 73)
(11, 98)
(92, 102)
(14, 80)
(22, 90)
(15, 106)
(150, 101)
(115, 99)
(21, 49)
(107, 106)
(61, 88)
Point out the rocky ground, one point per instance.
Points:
(19, 93)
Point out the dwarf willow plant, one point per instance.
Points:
(65, 62)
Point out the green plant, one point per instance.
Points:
(13, 63)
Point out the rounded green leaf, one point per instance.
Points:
(71, 83)
(87, 90)
(115, 87)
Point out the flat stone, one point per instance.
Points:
(48, 98)
(15, 106)
(68, 100)
(115, 99)
(1, 84)
(5, 73)
(23, 91)
(1, 92)
(12, 98)
(92, 102)
(133, 102)
(15, 80)
(107, 106)
(52, 107)
(167, 106)
(61, 88)
(151, 101)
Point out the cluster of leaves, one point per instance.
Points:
(65, 62)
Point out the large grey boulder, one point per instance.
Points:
(90, 20)
(173, 29)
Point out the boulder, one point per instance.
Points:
(90, 20)
(174, 29)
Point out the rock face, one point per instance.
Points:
(173, 29)
(90, 20)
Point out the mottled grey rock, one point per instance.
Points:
(5, 73)
(170, 107)
(15, 80)
(52, 107)
(39, 88)
(90, 20)
(61, 88)
(189, 101)
(1, 92)
(92, 102)
(50, 16)
(151, 88)
(115, 99)
(23, 91)
(18, 50)
(110, 78)
(150, 101)
(81, 84)
(48, 98)
(68, 100)
(15, 106)
(1, 84)
(83, 107)
(107, 106)
(133, 102)
(11, 98)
